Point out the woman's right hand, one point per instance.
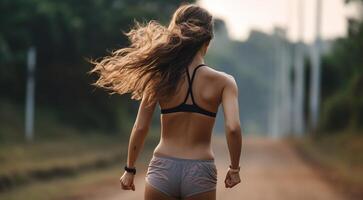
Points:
(127, 181)
(232, 179)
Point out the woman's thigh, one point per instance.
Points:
(153, 194)
(211, 195)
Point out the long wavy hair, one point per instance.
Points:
(154, 63)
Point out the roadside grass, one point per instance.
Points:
(20, 163)
(63, 188)
(82, 185)
(57, 152)
(65, 168)
(339, 157)
(57, 188)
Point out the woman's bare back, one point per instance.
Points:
(188, 134)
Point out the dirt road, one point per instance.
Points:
(271, 170)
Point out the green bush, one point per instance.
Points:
(344, 109)
(336, 113)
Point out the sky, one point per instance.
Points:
(241, 16)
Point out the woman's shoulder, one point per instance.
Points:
(220, 75)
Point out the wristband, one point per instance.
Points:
(234, 170)
(130, 169)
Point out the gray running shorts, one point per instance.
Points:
(181, 178)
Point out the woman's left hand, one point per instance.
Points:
(232, 179)
(127, 181)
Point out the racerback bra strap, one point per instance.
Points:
(190, 83)
(184, 107)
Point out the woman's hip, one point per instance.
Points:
(180, 177)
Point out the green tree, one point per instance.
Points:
(343, 81)
(65, 33)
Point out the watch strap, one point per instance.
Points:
(234, 170)
(130, 169)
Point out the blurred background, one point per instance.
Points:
(298, 65)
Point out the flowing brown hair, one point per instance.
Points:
(156, 60)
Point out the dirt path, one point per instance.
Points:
(271, 170)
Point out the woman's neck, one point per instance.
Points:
(198, 59)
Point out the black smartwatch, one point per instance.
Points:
(130, 169)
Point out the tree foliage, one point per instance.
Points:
(65, 34)
(343, 81)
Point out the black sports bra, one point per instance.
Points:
(183, 107)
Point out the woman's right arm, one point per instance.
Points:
(232, 128)
(137, 139)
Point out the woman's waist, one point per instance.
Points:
(184, 151)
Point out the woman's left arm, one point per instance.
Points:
(137, 139)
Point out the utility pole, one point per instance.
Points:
(287, 61)
(315, 70)
(276, 101)
(279, 117)
(298, 109)
(285, 85)
(30, 89)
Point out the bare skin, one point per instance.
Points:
(188, 135)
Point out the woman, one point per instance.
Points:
(165, 66)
